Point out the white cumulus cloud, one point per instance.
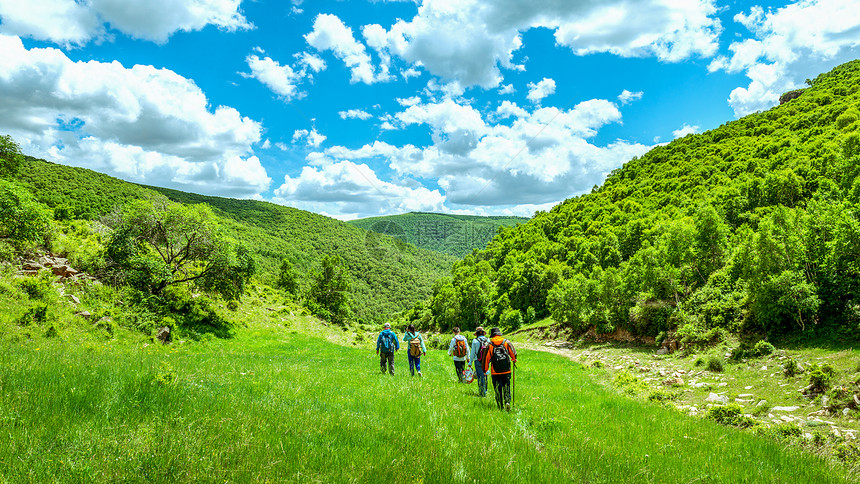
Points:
(141, 124)
(354, 114)
(788, 45)
(331, 34)
(685, 130)
(540, 90)
(71, 22)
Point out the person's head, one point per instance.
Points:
(387, 326)
(479, 331)
(456, 330)
(495, 332)
(411, 328)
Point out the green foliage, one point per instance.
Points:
(10, 156)
(329, 291)
(714, 364)
(661, 395)
(731, 414)
(751, 227)
(23, 220)
(821, 377)
(629, 383)
(287, 278)
(456, 235)
(790, 368)
(156, 244)
(512, 319)
(763, 348)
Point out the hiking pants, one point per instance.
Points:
(482, 379)
(389, 357)
(414, 364)
(460, 366)
(502, 386)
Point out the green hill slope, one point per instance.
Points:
(456, 235)
(754, 225)
(388, 275)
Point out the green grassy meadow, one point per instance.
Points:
(276, 405)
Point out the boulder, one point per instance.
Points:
(74, 299)
(714, 397)
(84, 314)
(785, 409)
(31, 266)
(761, 403)
(672, 382)
(163, 335)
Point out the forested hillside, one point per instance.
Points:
(456, 235)
(387, 275)
(752, 227)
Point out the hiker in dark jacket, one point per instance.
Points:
(480, 340)
(459, 349)
(386, 345)
(416, 349)
(500, 361)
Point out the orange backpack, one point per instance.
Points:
(460, 348)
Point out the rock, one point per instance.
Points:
(722, 384)
(63, 271)
(764, 368)
(644, 369)
(748, 388)
(74, 299)
(663, 351)
(745, 395)
(807, 436)
(84, 314)
(817, 413)
(785, 409)
(856, 401)
(163, 335)
(761, 403)
(836, 433)
(673, 382)
(846, 411)
(825, 401)
(713, 397)
(786, 418)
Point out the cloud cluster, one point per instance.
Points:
(511, 160)
(468, 41)
(788, 45)
(71, 22)
(142, 124)
(540, 90)
(331, 34)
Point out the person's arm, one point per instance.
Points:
(378, 342)
(423, 347)
(512, 351)
(468, 359)
(451, 347)
(396, 343)
(475, 347)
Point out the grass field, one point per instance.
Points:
(275, 405)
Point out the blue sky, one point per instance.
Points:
(364, 108)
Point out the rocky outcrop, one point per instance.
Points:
(58, 265)
(790, 95)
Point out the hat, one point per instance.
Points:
(387, 325)
(495, 332)
(479, 330)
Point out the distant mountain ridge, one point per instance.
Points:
(451, 234)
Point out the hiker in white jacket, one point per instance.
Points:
(459, 349)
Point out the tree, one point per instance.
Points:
(22, 219)
(330, 291)
(156, 244)
(287, 277)
(10, 156)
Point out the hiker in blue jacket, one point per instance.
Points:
(386, 345)
(477, 357)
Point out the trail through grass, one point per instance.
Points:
(278, 406)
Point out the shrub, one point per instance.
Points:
(820, 379)
(512, 319)
(715, 364)
(597, 364)
(661, 396)
(847, 452)
(782, 431)
(790, 368)
(629, 383)
(847, 118)
(763, 348)
(731, 414)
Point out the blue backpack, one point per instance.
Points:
(388, 342)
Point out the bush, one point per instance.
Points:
(629, 383)
(731, 414)
(782, 432)
(662, 396)
(694, 336)
(715, 364)
(763, 348)
(847, 118)
(512, 319)
(790, 368)
(820, 379)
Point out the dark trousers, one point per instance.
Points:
(459, 367)
(386, 357)
(502, 387)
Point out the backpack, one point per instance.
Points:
(460, 348)
(500, 359)
(387, 346)
(415, 347)
(485, 346)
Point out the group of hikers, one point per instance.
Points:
(495, 356)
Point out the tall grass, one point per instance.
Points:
(278, 406)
